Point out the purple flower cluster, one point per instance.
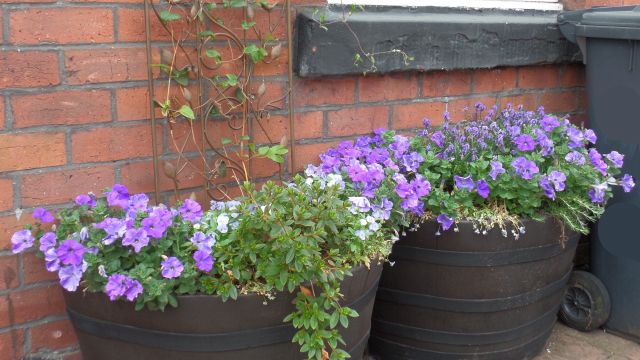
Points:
(120, 285)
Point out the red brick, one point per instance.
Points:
(62, 186)
(6, 194)
(9, 271)
(562, 102)
(110, 1)
(308, 125)
(355, 121)
(138, 176)
(446, 83)
(8, 226)
(32, 304)
(34, 270)
(538, 77)
(111, 143)
(493, 80)
(2, 116)
(233, 19)
(457, 108)
(25, 1)
(28, 69)
(574, 4)
(29, 151)
(572, 75)
(52, 336)
(411, 115)
(105, 65)
(308, 154)
(271, 67)
(61, 108)
(592, 3)
(529, 101)
(131, 26)
(11, 342)
(61, 25)
(583, 101)
(631, 2)
(263, 167)
(324, 91)
(133, 103)
(389, 87)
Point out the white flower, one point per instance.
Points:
(363, 222)
(309, 181)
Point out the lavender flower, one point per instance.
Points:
(70, 277)
(137, 238)
(421, 186)
(51, 261)
(598, 192)
(47, 241)
(138, 202)
(400, 145)
(445, 221)
(627, 183)
(21, 241)
(483, 188)
(43, 215)
(382, 211)
(548, 189)
(223, 222)
(548, 123)
(191, 211)
(115, 229)
(171, 268)
(70, 252)
(590, 136)
(204, 260)
(597, 162)
(576, 137)
(118, 196)
(438, 138)
(159, 220)
(616, 159)
(557, 178)
(85, 200)
(525, 168)
(412, 161)
(116, 286)
(359, 204)
(134, 289)
(202, 241)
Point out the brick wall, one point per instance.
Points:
(73, 118)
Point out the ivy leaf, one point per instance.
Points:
(166, 16)
(186, 111)
(248, 25)
(214, 54)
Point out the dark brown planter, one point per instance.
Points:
(463, 295)
(204, 327)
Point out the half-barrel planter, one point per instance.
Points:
(462, 295)
(204, 327)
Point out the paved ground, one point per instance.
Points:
(569, 344)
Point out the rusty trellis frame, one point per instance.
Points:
(210, 57)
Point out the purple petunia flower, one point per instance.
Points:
(118, 196)
(445, 221)
(627, 183)
(438, 138)
(464, 183)
(359, 203)
(191, 211)
(548, 189)
(576, 137)
(116, 286)
(525, 143)
(21, 240)
(202, 241)
(70, 277)
(171, 268)
(47, 241)
(404, 190)
(590, 136)
(483, 188)
(70, 252)
(597, 162)
(138, 202)
(51, 261)
(223, 222)
(525, 168)
(616, 159)
(134, 288)
(42, 215)
(115, 229)
(137, 238)
(575, 158)
(426, 122)
(421, 186)
(412, 161)
(548, 123)
(204, 260)
(400, 145)
(557, 178)
(496, 169)
(86, 200)
(382, 211)
(598, 192)
(159, 220)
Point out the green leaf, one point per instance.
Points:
(225, 141)
(207, 33)
(248, 25)
(215, 54)
(186, 111)
(166, 16)
(255, 53)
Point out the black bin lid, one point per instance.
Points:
(611, 24)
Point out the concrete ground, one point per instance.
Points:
(570, 344)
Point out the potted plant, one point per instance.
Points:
(496, 204)
(223, 280)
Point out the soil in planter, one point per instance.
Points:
(463, 295)
(204, 327)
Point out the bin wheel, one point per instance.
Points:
(586, 305)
